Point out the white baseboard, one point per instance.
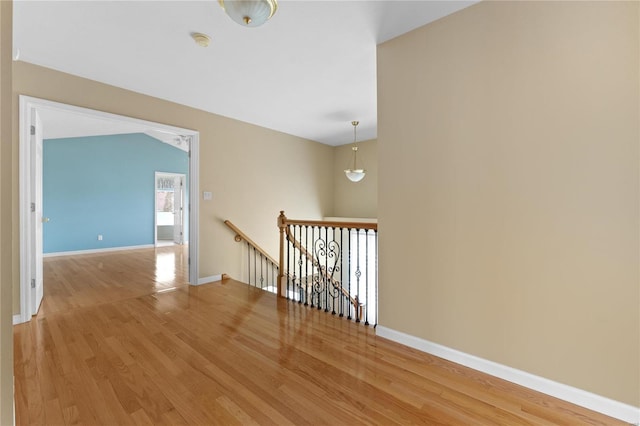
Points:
(210, 279)
(576, 396)
(102, 250)
(17, 319)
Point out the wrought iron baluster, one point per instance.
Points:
(288, 270)
(349, 273)
(342, 275)
(375, 233)
(262, 260)
(310, 287)
(306, 265)
(267, 268)
(302, 287)
(300, 279)
(303, 258)
(366, 277)
(339, 289)
(294, 259)
(248, 263)
(358, 274)
(327, 281)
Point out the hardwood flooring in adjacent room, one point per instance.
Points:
(119, 342)
(90, 279)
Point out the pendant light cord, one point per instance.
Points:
(355, 139)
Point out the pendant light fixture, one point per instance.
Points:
(249, 13)
(355, 174)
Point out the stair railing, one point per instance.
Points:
(262, 269)
(330, 265)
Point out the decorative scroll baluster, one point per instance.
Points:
(327, 271)
(336, 292)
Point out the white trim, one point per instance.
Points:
(194, 202)
(24, 153)
(576, 396)
(100, 250)
(17, 319)
(210, 279)
(27, 105)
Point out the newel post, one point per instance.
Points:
(281, 224)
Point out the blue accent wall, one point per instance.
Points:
(103, 185)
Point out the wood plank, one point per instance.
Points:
(116, 343)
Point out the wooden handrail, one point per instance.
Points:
(333, 224)
(242, 236)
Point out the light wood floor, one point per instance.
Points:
(119, 342)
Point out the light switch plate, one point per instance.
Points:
(207, 196)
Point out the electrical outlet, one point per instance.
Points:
(99, 237)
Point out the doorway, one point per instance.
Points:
(31, 131)
(170, 206)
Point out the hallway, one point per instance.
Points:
(122, 339)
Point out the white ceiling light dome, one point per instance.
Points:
(250, 13)
(355, 175)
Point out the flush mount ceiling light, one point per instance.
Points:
(355, 174)
(201, 40)
(250, 13)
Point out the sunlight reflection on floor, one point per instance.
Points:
(165, 267)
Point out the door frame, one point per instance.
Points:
(155, 204)
(27, 107)
(36, 218)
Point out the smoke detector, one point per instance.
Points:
(201, 40)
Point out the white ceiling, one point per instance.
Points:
(308, 72)
(57, 123)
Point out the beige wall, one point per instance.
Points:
(252, 172)
(356, 199)
(6, 311)
(509, 188)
